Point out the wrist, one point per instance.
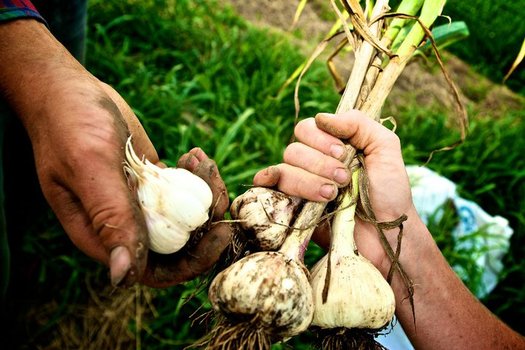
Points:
(417, 246)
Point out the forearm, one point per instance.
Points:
(447, 315)
(39, 77)
(33, 64)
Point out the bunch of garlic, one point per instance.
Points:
(265, 215)
(174, 201)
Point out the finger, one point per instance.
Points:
(199, 153)
(112, 210)
(363, 133)
(298, 182)
(321, 234)
(267, 177)
(115, 237)
(191, 160)
(188, 161)
(301, 156)
(168, 270)
(201, 165)
(307, 132)
(208, 171)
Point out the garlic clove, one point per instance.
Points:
(165, 237)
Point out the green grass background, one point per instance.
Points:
(197, 74)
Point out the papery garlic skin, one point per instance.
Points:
(174, 201)
(358, 296)
(265, 214)
(268, 288)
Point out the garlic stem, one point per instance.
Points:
(344, 219)
(296, 243)
(363, 56)
(349, 292)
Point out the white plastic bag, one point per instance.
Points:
(431, 191)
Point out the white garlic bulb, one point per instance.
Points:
(358, 295)
(265, 214)
(267, 288)
(174, 201)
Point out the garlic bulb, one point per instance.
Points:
(174, 201)
(265, 296)
(358, 295)
(265, 214)
(268, 287)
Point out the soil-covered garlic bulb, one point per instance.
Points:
(267, 288)
(265, 296)
(174, 201)
(265, 215)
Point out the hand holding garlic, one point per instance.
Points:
(179, 206)
(305, 173)
(447, 314)
(78, 127)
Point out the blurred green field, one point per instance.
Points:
(197, 74)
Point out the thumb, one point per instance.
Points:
(102, 218)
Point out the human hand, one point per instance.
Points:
(99, 187)
(78, 127)
(311, 166)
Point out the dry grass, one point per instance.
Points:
(103, 322)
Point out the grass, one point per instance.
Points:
(496, 34)
(198, 75)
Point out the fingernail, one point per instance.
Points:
(119, 265)
(329, 115)
(341, 176)
(337, 151)
(328, 191)
(270, 171)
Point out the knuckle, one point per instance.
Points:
(392, 138)
(303, 125)
(291, 152)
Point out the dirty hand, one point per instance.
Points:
(78, 127)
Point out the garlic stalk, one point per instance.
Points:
(355, 294)
(174, 201)
(265, 215)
